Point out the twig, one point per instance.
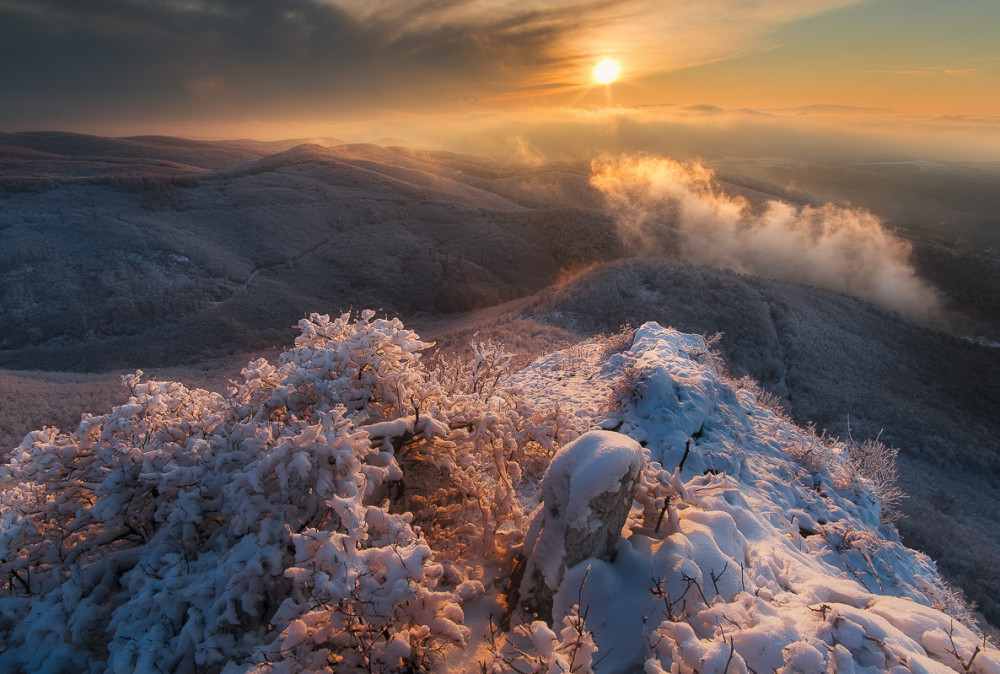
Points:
(694, 581)
(732, 652)
(659, 593)
(687, 448)
(715, 579)
(966, 666)
(822, 610)
(659, 520)
(14, 575)
(581, 619)
(731, 622)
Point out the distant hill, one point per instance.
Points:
(110, 263)
(104, 151)
(155, 251)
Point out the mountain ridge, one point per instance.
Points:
(749, 544)
(173, 271)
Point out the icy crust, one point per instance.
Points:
(771, 558)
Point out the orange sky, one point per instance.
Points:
(361, 67)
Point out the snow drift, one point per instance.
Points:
(351, 507)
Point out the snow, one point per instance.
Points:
(586, 468)
(252, 533)
(778, 561)
(592, 465)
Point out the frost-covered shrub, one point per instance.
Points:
(315, 516)
(762, 397)
(482, 374)
(875, 461)
(476, 445)
(190, 531)
(952, 601)
(546, 652)
(368, 366)
(626, 388)
(816, 452)
(617, 342)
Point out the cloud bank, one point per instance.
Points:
(275, 59)
(840, 249)
(167, 60)
(821, 134)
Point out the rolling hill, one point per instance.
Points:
(189, 255)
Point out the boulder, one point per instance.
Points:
(587, 494)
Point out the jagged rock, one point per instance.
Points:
(587, 493)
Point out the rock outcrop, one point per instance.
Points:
(587, 494)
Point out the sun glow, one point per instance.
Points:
(606, 71)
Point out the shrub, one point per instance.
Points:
(187, 530)
(875, 462)
(313, 517)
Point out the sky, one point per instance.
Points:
(906, 69)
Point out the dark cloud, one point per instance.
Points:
(99, 54)
(290, 68)
(61, 60)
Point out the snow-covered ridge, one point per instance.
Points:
(772, 558)
(347, 507)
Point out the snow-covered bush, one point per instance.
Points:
(617, 342)
(475, 445)
(543, 651)
(328, 511)
(190, 531)
(874, 461)
(346, 508)
(368, 366)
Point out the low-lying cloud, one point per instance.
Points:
(663, 204)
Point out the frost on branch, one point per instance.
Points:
(370, 366)
(571, 650)
(189, 531)
(874, 461)
(474, 446)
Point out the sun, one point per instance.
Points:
(606, 71)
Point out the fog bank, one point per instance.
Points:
(845, 250)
